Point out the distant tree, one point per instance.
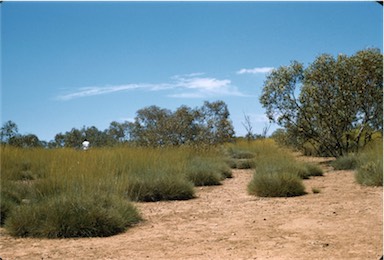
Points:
(332, 103)
(25, 141)
(73, 138)
(59, 141)
(217, 124)
(151, 126)
(155, 126)
(116, 131)
(184, 126)
(9, 130)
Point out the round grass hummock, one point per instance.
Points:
(276, 185)
(65, 216)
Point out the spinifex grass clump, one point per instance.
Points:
(207, 171)
(13, 194)
(240, 158)
(277, 174)
(156, 185)
(370, 165)
(346, 162)
(67, 215)
(278, 184)
(244, 164)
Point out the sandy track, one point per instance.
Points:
(343, 221)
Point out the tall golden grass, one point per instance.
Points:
(34, 179)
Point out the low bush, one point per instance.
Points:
(203, 172)
(370, 174)
(346, 162)
(207, 171)
(156, 187)
(278, 184)
(245, 164)
(241, 154)
(13, 194)
(66, 216)
(314, 170)
(306, 170)
(370, 165)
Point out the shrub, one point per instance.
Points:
(12, 194)
(232, 163)
(204, 172)
(240, 154)
(370, 166)
(306, 170)
(245, 164)
(66, 216)
(314, 170)
(161, 187)
(346, 162)
(370, 174)
(277, 184)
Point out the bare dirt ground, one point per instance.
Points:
(343, 221)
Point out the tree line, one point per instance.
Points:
(152, 126)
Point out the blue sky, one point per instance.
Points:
(75, 64)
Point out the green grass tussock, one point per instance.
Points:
(279, 184)
(206, 172)
(346, 162)
(66, 216)
(277, 173)
(151, 187)
(370, 165)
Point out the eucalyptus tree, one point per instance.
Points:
(332, 103)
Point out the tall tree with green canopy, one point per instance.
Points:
(331, 104)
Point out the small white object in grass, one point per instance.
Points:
(85, 144)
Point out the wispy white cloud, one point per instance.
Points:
(259, 70)
(94, 91)
(193, 85)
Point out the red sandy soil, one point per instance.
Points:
(343, 221)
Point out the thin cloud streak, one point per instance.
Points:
(260, 70)
(94, 91)
(183, 86)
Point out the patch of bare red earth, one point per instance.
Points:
(343, 221)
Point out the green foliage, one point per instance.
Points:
(72, 216)
(277, 184)
(350, 87)
(12, 195)
(206, 172)
(370, 165)
(207, 125)
(240, 154)
(245, 164)
(277, 174)
(370, 174)
(346, 162)
(313, 170)
(155, 185)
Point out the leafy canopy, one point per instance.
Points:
(335, 104)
